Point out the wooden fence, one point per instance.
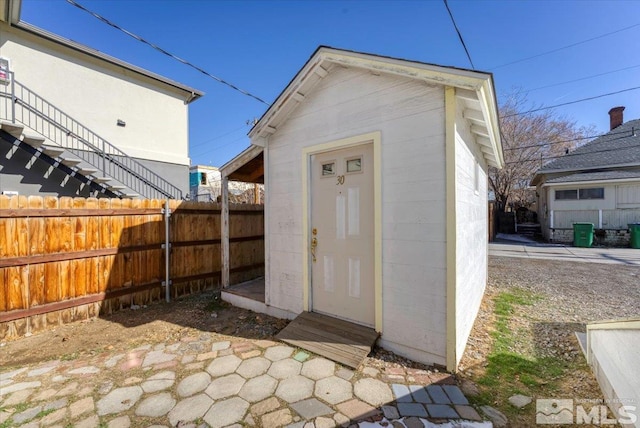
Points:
(68, 259)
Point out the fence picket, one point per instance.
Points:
(51, 259)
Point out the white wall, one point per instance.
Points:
(410, 116)
(608, 203)
(97, 94)
(471, 231)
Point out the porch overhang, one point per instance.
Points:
(247, 167)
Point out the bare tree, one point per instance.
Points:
(528, 142)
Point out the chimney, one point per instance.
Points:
(615, 117)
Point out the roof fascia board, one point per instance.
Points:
(242, 158)
(599, 167)
(587, 182)
(459, 78)
(427, 72)
(192, 93)
(486, 97)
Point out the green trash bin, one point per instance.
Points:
(582, 234)
(635, 234)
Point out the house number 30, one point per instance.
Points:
(340, 180)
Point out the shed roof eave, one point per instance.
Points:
(240, 159)
(324, 57)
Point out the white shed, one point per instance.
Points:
(375, 173)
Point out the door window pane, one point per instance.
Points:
(328, 169)
(354, 165)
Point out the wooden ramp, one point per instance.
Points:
(341, 341)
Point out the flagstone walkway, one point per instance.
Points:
(200, 382)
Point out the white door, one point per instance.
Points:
(342, 234)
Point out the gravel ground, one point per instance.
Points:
(566, 297)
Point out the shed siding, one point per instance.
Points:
(98, 94)
(410, 116)
(471, 233)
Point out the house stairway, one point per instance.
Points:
(36, 126)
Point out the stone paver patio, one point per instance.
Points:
(201, 382)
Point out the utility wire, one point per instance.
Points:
(572, 154)
(169, 54)
(570, 141)
(217, 137)
(567, 46)
(446, 4)
(581, 78)
(572, 102)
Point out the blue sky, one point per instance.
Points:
(260, 45)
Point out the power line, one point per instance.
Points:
(567, 46)
(217, 137)
(572, 154)
(572, 102)
(446, 4)
(568, 141)
(581, 78)
(169, 54)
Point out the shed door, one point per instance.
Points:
(342, 234)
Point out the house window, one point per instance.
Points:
(593, 193)
(328, 169)
(203, 178)
(565, 195)
(576, 194)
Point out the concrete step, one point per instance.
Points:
(101, 180)
(116, 187)
(52, 150)
(34, 140)
(69, 161)
(86, 170)
(14, 129)
(131, 195)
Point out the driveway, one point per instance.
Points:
(517, 246)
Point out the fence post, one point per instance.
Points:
(600, 219)
(225, 232)
(167, 251)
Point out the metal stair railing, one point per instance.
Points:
(33, 111)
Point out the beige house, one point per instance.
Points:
(106, 127)
(597, 183)
(375, 173)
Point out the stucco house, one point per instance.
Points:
(375, 173)
(77, 122)
(597, 183)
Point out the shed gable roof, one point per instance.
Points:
(475, 88)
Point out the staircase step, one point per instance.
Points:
(35, 141)
(69, 161)
(131, 195)
(101, 180)
(52, 150)
(115, 187)
(14, 129)
(87, 170)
